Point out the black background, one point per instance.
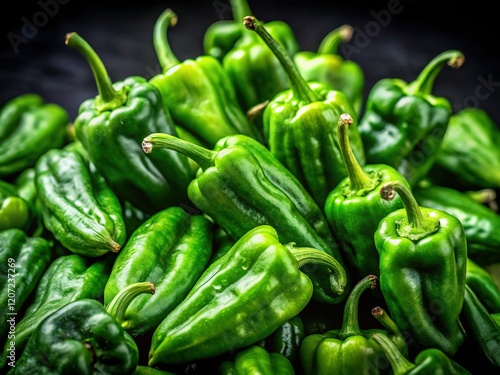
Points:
(397, 44)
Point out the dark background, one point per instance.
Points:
(397, 44)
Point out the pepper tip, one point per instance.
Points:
(249, 22)
(147, 146)
(387, 192)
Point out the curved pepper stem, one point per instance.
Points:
(119, 304)
(108, 98)
(416, 226)
(164, 53)
(307, 255)
(350, 322)
(399, 363)
(331, 42)
(425, 80)
(201, 155)
(240, 9)
(300, 88)
(358, 179)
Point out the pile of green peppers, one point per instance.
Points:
(249, 212)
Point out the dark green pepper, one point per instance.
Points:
(300, 126)
(242, 185)
(326, 65)
(14, 210)
(84, 337)
(111, 127)
(170, 249)
(240, 299)
(256, 360)
(79, 208)
(423, 256)
(286, 339)
(354, 207)
(146, 370)
(26, 189)
(404, 123)
(197, 92)
(28, 128)
(483, 285)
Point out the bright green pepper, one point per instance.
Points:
(326, 65)
(242, 185)
(483, 285)
(240, 299)
(28, 128)
(14, 210)
(197, 92)
(423, 256)
(170, 249)
(111, 127)
(300, 125)
(84, 337)
(26, 189)
(404, 123)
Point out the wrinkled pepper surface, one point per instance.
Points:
(14, 210)
(26, 189)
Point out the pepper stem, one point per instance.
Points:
(240, 9)
(425, 80)
(164, 53)
(108, 98)
(119, 304)
(331, 42)
(307, 255)
(299, 85)
(350, 322)
(416, 226)
(358, 179)
(201, 155)
(399, 363)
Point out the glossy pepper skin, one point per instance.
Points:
(84, 337)
(286, 340)
(26, 189)
(111, 127)
(197, 92)
(404, 123)
(423, 256)
(240, 299)
(170, 249)
(349, 350)
(256, 360)
(14, 210)
(300, 126)
(79, 208)
(354, 207)
(479, 222)
(483, 285)
(326, 65)
(241, 185)
(28, 128)
(68, 278)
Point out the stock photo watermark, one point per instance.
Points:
(11, 312)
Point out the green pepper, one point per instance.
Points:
(23, 260)
(68, 278)
(170, 249)
(430, 361)
(326, 65)
(28, 128)
(241, 298)
(354, 207)
(26, 189)
(84, 337)
(14, 210)
(242, 185)
(300, 126)
(469, 150)
(286, 339)
(350, 350)
(496, 317)
(197, 92)
(79, 208)
(404, 123)
(479, 222)
(423, 256)
(146, 370)
(256, 360)
(111, 127)
(483, 285)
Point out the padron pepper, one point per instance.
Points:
(14, 210)
(354, 207)
(28, 128)
(197, 92)
(240, 299)
(403, 124)
(84, 337)
(111, 127)
(170, 249)
(480, 281)
(26, 189)
(79, 208)
(300, 125)
(241, 185)
(326, 65)
(286, 340)
(423, 257)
